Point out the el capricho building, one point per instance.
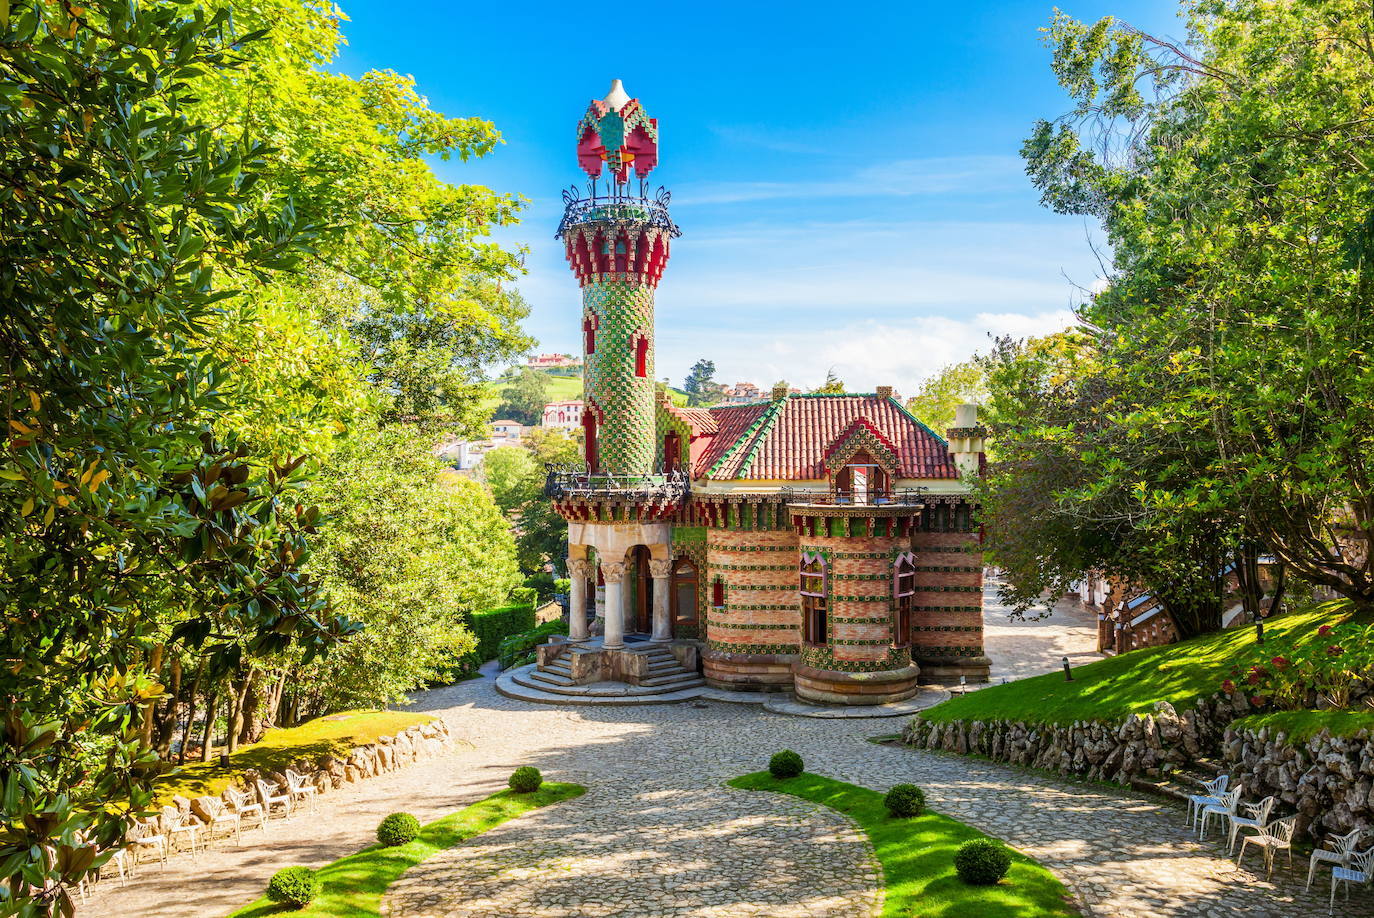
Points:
(825, 544)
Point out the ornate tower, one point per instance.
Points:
(616, 239)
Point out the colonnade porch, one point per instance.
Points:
(615, 607)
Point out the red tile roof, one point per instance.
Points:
(788, 439)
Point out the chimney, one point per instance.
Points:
(967, 440)
(884, 392)
(779, 392)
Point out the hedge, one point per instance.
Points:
(494, 625)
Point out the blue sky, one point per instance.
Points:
(846, 178)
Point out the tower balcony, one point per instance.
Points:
(617, 208)
(569, 482)
(891, 501)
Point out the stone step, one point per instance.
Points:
(551, 677)
(681, 678)
(536, 680)
(507, 684)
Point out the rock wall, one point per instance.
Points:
(1147, 745)
(1328, 780)
(387, 754)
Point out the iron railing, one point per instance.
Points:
(897, 497)
(617, 208)
(564, 481)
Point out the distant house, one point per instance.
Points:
(507, 432)
(566, 416)
(465, 455)
(554, 362)
(742, 393)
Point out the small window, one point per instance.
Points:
(904, 595)
(718, 593)
(590, 444)
(813, 599)
(672, 452)
(589, 333)
(641, 357)
(685, 592)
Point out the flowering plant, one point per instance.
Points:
(1321, 671)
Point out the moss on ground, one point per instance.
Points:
(917, 856)
(332, 734)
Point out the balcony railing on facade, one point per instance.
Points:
(567, 481)
(617, 206)
(896, 497)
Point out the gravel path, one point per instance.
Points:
(658, 835)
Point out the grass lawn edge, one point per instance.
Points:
(917, 856)
(353, 886)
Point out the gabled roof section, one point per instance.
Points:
(791, 439)
(861, 435)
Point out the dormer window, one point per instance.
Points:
(861, 481)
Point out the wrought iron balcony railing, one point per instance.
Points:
(565, 481)
(617, 208)
(897, 497)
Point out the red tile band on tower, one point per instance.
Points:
(616, 240)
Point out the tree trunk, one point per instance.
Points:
(190, 713)
(166, 720)
(249, 705)
(145, 733)
(208, 738)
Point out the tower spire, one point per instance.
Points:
(617, 245)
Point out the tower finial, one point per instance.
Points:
(615, 99)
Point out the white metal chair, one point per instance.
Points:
(216, 816)
(268, 796)
(1224, 809)
(1275, 837)
(242, 806)
(1249, 816)
(177, 825)
(146, 835)
(1211, 791)
(1360, 870)
(298, 786)
(1342, 851)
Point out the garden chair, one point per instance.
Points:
(241, 805)
(1249, 816)
(145, 835)
(1273, 838)
(298, 786)
(1340, 853)
(213, 811)
(177, 825)
(1360, 870)
(1210, 794)
(1224, 809)
(268, 797)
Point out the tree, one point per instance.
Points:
(833, 385)
(124, 223)
(542, 538)
(956, 384)
(513, 476)
(523, 398)
(1237, 321)
(701, 386)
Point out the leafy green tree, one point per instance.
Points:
(524, 396)
(956, 384)
(124, 223)
(701, 386)
(1237, 323)
(833, 385)
(513, 476)
(409, 553)
(543, 534)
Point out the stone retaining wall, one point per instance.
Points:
(1328, 780)
(370, 760)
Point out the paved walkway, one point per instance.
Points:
(1029, 648)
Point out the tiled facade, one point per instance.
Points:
(738, 497)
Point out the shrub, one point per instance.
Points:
(294, 886)
(905, 800)
(517, 647)
(981, 862)
(785, 764)
(526, 779)
(398, 829)
(492, 625)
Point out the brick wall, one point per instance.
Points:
(860, 596)
(759, 570)
(948, 615)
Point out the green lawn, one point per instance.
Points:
(917, 856)
(1303, 725)
(1130, 683)
(567, 388)
(331, 734)
(354, 885)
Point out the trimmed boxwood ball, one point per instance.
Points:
(785, 764)
(294, 886)
(981, 862)
(905, 800)
(526, 779)
(398, 829)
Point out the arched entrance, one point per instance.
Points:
(643, 606)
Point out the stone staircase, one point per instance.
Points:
(667, 677)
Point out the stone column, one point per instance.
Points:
(614, 573)
(578, 570)
(662, 572)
